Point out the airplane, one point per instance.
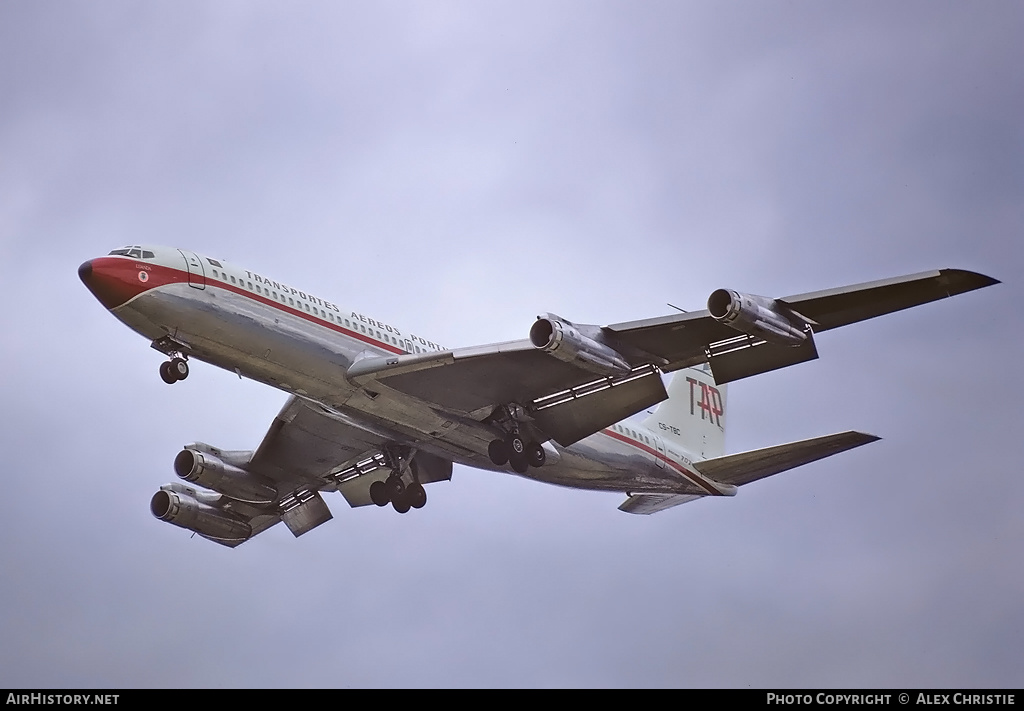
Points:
(376, 412)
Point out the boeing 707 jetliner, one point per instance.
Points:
(377, 411)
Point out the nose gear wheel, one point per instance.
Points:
(173, 370)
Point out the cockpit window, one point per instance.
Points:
(133, 251)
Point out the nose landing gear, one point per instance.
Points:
(173, 370)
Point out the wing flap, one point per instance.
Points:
(574, 418)
(743, 468)
(310, 512)
(743, 357)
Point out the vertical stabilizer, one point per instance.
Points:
(693, 417)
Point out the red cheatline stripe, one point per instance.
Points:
(694, 478)
(175, 277)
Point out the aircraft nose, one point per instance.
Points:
(85, 272)
(111, 280)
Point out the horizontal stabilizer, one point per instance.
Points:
(740, 469)
(653, 503)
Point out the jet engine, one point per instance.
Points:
(206, 470)
(758, 316)
(189, 513)
(564, 341)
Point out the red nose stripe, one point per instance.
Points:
(116, 280)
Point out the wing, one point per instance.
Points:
(688, 339)
(308, 449)
(568, 399)
(832, 308)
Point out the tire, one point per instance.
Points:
(535, 455)
(401, 504)
(519, 463)
(379, 493)
(165, 373)
(396, 488)
(497, 450)
(416, 495)
(179, 368)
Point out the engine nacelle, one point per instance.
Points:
(188, 513)
(757, 316)
(207, 471)
(564, 341)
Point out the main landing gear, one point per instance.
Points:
(173, 370)
(518, 451)
(520, 454)
(395, 491)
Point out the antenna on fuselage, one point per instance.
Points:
(677, 308)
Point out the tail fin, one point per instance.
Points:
(694, 414)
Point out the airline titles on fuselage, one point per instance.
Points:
(355, 316)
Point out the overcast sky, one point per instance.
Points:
(456, 169)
